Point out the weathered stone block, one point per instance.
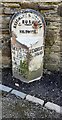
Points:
(4, 19)
(3, 26)
(12, 5)
(1, 10)
(6, 62)
(10, 11)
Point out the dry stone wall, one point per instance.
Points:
(52, 15)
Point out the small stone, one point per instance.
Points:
(49, 72)
(16, 84)
(53, 90)
(23, 88)
(51, 82)
(61, 90)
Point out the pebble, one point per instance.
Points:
(16, 84)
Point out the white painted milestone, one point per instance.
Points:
(27, 44)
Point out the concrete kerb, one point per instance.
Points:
(48, 105)
(54, 107)
(34, 99)
(5, 88)
(19, 94)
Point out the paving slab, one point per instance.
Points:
(5, 88)
(53, 106)
(34, 99)
(17, 93)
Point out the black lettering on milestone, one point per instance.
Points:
(14, 26)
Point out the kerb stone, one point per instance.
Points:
(5, 88)
(34, 99)
(54, 107)
(19, 94)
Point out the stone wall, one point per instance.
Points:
(52, 14)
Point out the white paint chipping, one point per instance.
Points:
(5, 88)
(34, 99)
(54, 107)
(17, 93)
